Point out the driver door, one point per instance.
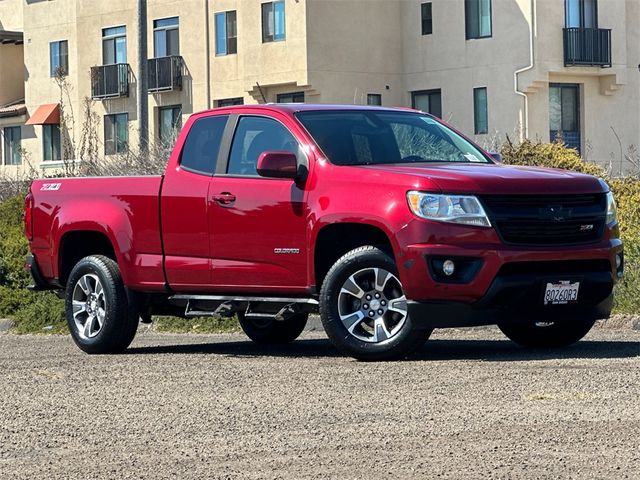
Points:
(258, 225)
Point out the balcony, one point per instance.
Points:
(110, 81)
(587, 47)
(165, 74)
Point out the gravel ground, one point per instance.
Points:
(468, 405)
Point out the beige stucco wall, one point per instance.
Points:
(355, 48)
(279, 67)
(11, 15)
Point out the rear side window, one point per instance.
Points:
(200, 150)
(255, 135)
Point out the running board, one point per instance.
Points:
(227, 306)
(227, 298)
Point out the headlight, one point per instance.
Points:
(462, 209)
(612, 210)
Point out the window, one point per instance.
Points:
(273, 21)
(229, 102)
(564, 114)
(200, 151)
(427, 19)
(429, 101)
(365, 137)
(480, 114)
(51, 142)
(581, 13)
(166, 37)
(296, 97)
(374, 99)
(170, 119)
(12, 145)
(226, 33)
(59, 58)
(114, 45)
(478, 18)
(255, 135)
(116, 133)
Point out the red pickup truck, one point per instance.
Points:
(386, 221)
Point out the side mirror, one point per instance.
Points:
(496, 156)
(277, 165)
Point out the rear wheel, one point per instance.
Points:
(101, 315)
(269, 331)
(364, 309)
(547, 334)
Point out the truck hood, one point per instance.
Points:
(496, 178)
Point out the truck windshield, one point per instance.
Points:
(369, 137)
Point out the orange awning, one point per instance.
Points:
(45, 115)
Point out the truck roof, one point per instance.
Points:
(303, 107)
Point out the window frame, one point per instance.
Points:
(114, 38)
(429, 93)
(176, 120)
(377, 96)
(165, 29)
(478, 19)
(581, 14)
(62, 59)
(271, 19)
(223, 168)
(230, 42)
(280, 96)
(6, 144)
(229, 102)
(429, 7)
(52, 136)
(115, 131)
(477, 121)
(223, 149)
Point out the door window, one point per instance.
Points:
(255, 135)
(114, 45)
(200, 151)
(564, 114)
(166, 37)
(581, 13)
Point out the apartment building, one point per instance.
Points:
(534, 68)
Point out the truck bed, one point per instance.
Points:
(124, 209)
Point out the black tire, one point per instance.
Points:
(269, 331)
(553, 335)
(119, 313)
(406, 337)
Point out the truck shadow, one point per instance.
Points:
(433, 350)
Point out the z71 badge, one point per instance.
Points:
(50, 187)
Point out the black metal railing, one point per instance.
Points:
(165, 74)
(110, 81)
(587, 46)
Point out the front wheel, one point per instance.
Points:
(547, 334)
(101, 315)
(364, 310)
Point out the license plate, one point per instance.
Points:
(561, 293)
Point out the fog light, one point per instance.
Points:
(448, 267)
(618, 261)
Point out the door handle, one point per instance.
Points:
(224, 198)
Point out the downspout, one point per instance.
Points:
(207, 74)
(532, 31)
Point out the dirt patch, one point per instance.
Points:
(623, 321)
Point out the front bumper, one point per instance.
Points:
(519, 298)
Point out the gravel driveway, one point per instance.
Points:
(469, 405)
